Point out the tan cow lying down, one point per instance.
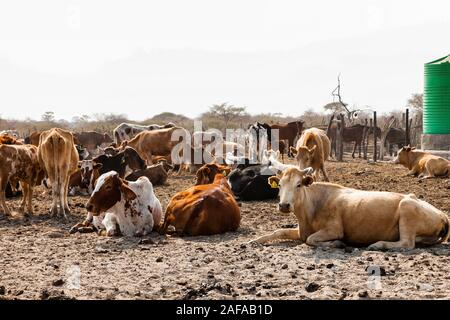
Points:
(331, 215)
(423, 164)
(313, 149)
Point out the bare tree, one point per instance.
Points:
(351, 114)
(48, 116)
(415, 102)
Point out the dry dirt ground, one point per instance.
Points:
(39, 259)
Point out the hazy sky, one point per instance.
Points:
(144, 57)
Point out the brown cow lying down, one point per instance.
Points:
(203, 209)
(155, 173)
(313, 149)
(331, 215)
(423, 164)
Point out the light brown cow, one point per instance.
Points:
(92, 140)
(19, 163)
(333, 215)
(59, 157)
(423, 164)
(154, 143)
(313, 149)
(203, 209)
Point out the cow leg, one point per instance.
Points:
(359, 150)
(66, 191)
(325, 238)
(30, 198)
(55, 197)
(290, 234)
(408, 223)
(25, 189)
(110, 223)
(324, 172)
(3, 183)
(316, 175)
(87, 223)
(62, 203)
(354, 150)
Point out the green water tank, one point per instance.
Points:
(436, 97)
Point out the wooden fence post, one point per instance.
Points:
(407, 139)
(364, 139)
(374, 136)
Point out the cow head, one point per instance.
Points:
(83, 153)
(290, 182)
(403, 156)
(208, 172)
(132, 159)
(107, 138)
(304, 155)
(109, 189)
(89, 171)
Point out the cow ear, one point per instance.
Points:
(407, 148)
(127, 192)
(293, 151)
(274, 182)
(312, 150)
(79, 165)
(97, 166)
(307, 181)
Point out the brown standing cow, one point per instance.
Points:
(58, 156)
(19, 163)
(289, 132)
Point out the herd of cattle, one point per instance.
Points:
(119, 174)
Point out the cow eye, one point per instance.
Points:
(299, 185)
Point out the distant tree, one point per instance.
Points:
(226, 113)
(48, 116)
(334, 107)
(415, 102)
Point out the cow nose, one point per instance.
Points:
(284, 207)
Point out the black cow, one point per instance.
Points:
(251, 183)
(126, 160)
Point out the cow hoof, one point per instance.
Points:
(338, 244)
(73, 230)
(254, 243)
(86, 229)
(373, 247)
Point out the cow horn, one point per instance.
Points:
(308, 171)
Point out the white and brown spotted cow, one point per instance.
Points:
(58, 156)
(123, 207)
(19, 163)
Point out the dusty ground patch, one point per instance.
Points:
(40, 259)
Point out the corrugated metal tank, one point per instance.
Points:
(436, 97)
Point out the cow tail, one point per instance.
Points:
(55, 143)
